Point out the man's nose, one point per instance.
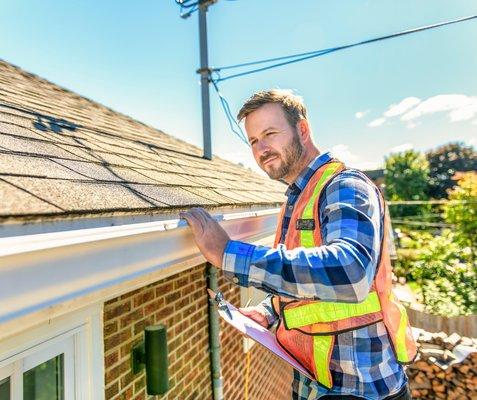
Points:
(261, 147)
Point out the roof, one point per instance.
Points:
(374, 174)
(62, 154)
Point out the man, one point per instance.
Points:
(328, 248)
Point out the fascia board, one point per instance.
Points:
(39, 272)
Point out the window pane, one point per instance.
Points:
(5, 389)
(45, 381)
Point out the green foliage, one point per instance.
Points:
(411, 244)
(444, 162)
(406, 176)
(461, 210)
(447, 274)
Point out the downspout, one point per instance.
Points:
(214, 340)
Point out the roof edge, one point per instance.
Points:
(48, 223)
(41, 275)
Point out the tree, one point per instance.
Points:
(406, 176)
(444, 162)
(461, 210)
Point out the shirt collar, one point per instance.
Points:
(307, 173)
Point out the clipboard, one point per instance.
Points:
(256, 332)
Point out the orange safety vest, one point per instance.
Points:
(307, 328)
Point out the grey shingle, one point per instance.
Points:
(72, 155)
(15, 201)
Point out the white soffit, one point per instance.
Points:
(43, 272)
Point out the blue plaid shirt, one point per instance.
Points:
(342, 269)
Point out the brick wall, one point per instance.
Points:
(180, 302)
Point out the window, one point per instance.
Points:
(54, 362)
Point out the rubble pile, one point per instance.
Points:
(446, 367)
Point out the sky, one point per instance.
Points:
(140, 58)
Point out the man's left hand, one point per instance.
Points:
(209, 236)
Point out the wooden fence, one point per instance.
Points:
(463, 325)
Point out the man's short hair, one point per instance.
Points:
(292, 104)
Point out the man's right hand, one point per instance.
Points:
(255, 313)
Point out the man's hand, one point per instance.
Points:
(255, 313)
(209, 236)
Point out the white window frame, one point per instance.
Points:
(78, 335)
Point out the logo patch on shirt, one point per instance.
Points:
(305, 224)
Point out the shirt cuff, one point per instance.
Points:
(236, 261)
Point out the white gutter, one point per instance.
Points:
(49, 274)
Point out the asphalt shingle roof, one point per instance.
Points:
(61, 154)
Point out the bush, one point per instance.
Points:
(447, 274)
(461, 210)
(406, 176)
(411, 244)
(444, 162)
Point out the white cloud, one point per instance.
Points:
(377, 122)
(401, 148)
(343, 153)
(361, 114)
(411, 125)
(460, 107)
(367, 165)
(464, 113)
(405, 105)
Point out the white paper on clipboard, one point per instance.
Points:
(259, 334)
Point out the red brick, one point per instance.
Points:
(139, 326)
(111, 359)
(131, 317)
(111, 391)
(153, 306)
(126, 379)
(110, 328)
(164, 312)
(143, 297)
(164, 288)
(116, 310)
(171, 297)
(116, 340)
(140, 384)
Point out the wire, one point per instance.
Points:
(312, 54)
(247, 374)
(186, 3)
(421, 223)
(190, 6)
(232, 121)
(266, 60)
(430, 202)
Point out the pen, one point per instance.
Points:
(248, 303)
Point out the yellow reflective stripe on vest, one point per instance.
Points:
(327, 311)
(306, 237)
(322, 347)
(401, 348)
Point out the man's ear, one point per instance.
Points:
(303, 128)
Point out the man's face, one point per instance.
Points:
(276, 145)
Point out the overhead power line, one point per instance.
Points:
(294, 58)
(228, 113)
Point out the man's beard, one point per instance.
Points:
(290, 157)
